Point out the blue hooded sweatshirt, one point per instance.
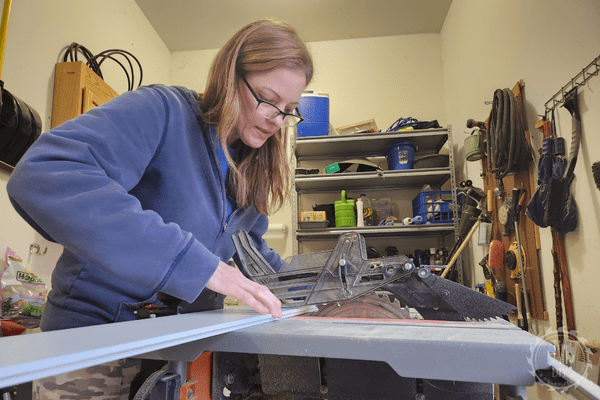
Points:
(134, 192)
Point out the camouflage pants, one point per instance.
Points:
(108, 381)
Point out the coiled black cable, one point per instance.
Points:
(95, 61)
(508, 149)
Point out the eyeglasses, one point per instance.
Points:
(269, 111)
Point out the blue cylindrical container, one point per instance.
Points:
(401, 155)
(314, 108)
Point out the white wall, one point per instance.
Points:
(492, 44)
(38, 33)
(383, 78)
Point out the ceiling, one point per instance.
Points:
(208, 24)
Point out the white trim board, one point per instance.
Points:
(27, 357)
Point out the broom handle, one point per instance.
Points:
(460, 249)
(3, 29)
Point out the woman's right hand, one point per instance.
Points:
(230, 281)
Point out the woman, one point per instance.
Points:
(145, 191)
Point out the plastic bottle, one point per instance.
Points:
(367, 210)
(432, 253)
(438, 257)
(360, 221)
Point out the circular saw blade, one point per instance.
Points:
(367, 306)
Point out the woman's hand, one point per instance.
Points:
(231, 282)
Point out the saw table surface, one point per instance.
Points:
(490, 352)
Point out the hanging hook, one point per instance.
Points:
(35, 248)
(574, 83)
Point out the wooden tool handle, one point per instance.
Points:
(461, 248)
(518, 297)
(558, 244)
(547, 129)
(557, 297)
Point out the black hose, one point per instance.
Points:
(508, 150)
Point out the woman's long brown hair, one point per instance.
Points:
(259, 177)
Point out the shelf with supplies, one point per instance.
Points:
(368, 144)
(402, 185)
(377, 231)
(373, 179)
(402, 188)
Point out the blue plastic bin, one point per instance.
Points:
(401, 155)
(435, 207)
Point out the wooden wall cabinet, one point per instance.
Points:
(76, 90)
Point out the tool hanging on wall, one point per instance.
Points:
(507, 149)
(552, 204)
(475, 144)
(505, 216)
(521, 320)
(551, 159)
(596, 173)
(558, 300)
(464, 243)
(528, 231)
(496, 254)
(567, 220)
(561, 212)
(592, 69)
(472, 198)
(20, 126)
(94, 62)
(518, 198)
(512, 262)
(508, 213)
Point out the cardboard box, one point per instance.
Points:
(360, 127)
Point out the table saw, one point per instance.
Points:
(413, 359)
(338, 339)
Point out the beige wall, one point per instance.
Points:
(383, 78)
(38, 33)
(492, 44)
(484, 45)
